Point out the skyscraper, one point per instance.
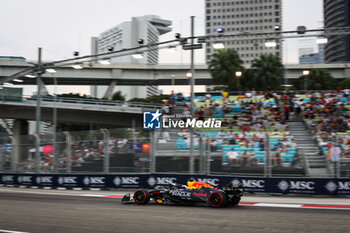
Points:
(126, 35)
(249, 16)
(337, 14)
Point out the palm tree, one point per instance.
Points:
(223, 67)
(318, 79)
(268, 72)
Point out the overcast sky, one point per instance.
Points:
(63, 26)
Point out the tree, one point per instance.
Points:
(157, 99)
(345, 83)
(318, 79)
(267, 72)
(75, 95)
(118, 96)
(223, 67)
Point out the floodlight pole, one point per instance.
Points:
(38, 114)
(55, 154)
(191, 165)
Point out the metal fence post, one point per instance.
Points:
(267, 159)
(153, 151)
(69, 151)
(37, 158)
(201, 151)
(13, 154)
(2, 158)
(106, 136)
(208, 155)
(337, 165)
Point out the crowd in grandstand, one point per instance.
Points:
(327, 115)
(246, 121)
(81, 151)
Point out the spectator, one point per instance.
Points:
(232, 157)
(296, 159)
(253, 159)
(245, 159)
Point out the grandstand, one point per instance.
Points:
(255, 139)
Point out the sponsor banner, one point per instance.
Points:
(45, 180)
(95, 181)
(154, 180)
(9, 179)
(127, 181)
(295, 186)
(250, 184)
(69, 181)
(25, 179)
(150, 181)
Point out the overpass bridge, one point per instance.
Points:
(75, 110)
(139, 75)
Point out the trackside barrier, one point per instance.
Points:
(134, 181)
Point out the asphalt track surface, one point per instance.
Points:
(30, 212)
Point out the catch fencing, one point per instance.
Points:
(129, 150)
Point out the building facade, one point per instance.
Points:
(337, 14)
(237, 17)
(313, 58)
(126, 35)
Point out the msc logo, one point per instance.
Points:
(332, 186)
(296, 185)
(212, 182)
(130, 180)
(249, 183)
(253, 183)
(8, 178)
(24, 179)
(151, 120)
(94, 180)
(44, 179)
(67, 180)
(161, 181)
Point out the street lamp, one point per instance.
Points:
(30, 76)
(50, 70)
(77, 66)
(137, 55)
(104, 62)
(55, 154)
(305, 74)
(218, 45)
(18, 80)
(238, 74)
(270, 43)
(321, 40)
(189, 75)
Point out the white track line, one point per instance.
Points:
(7, 231)
(278, 205)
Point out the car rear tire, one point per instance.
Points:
(141, 197)
(217, 199)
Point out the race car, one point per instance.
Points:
(194, 193)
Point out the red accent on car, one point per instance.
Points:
(201, 194)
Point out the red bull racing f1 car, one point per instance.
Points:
(194, 193)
